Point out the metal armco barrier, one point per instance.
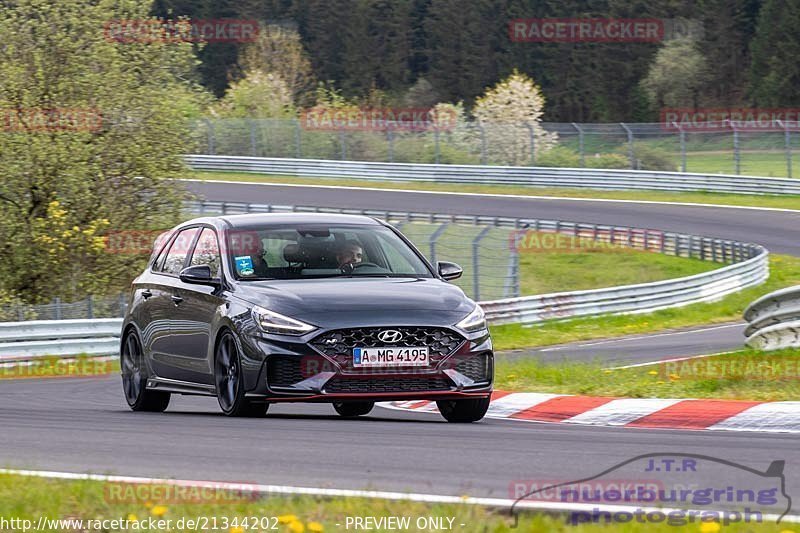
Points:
(498, 175)
(774, 320)
(749, 264)
(21, 341)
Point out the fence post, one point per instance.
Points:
(298, 150)
(580, 143)
(683, 145)
(212, 149)
(390, 140)
(476, 284)
(90, 306)
(57, 304)
(631, 154)
(511, 288)
(342, 144)
(532, 140)
(436, 144)
(736, 155)
(123, 304)
(483, 142)
(253, 150)
(432, 242)
(787, 140)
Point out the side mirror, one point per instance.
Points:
(198, 275)
(449, 271)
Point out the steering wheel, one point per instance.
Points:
(348, 268)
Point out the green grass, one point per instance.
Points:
(743, 375)
(784, 272)
(772, 164)
(777, 202)
(30, 498)
(556, 270)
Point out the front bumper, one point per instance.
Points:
(304, 370)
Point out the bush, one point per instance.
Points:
(559, 156)
(650, 158)
(608, 161)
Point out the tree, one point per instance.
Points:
(279, 50)
(94, 130)
(677, 75)
(259, 95)
(775, 73)
(510, 113)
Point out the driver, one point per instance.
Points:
(350, 253)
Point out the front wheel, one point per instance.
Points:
(463, 411)
(229, 382)
(353, 409)
(134, 378)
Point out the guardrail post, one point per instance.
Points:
(631, 154)
(476, 284)
(435, 237)
(532, 138)
(580, 143)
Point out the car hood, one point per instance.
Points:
(362, 301)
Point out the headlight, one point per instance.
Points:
(272, 322)
(475, 321)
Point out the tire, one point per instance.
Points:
(228, 381)
(134, 378)
(353, 409)
(463, 411)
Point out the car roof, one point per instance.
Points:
(267, 219)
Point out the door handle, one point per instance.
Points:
(146, 294)
(176, 299)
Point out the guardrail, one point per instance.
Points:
(22, 341)
(748, 266)
(774, 320)
(498, 175)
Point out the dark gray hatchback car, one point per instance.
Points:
(256, 309)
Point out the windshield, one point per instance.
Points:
(321, 251)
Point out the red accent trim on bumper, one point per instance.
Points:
(383, 396)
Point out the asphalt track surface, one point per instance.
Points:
(83, 425)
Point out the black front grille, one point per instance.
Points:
(283, 370)
(379, 385)
(475, 368)
(441, 342)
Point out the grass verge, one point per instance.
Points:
(784, 272)
(778, 202)
(27, 498)
(741, 375)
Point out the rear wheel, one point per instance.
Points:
(229, 383)
(134, 378)
(463, 411)
(353, 409)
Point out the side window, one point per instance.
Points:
(206, 252)
(176, 257)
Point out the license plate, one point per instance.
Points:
(363, 357)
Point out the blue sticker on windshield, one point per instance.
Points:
(244, 265)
